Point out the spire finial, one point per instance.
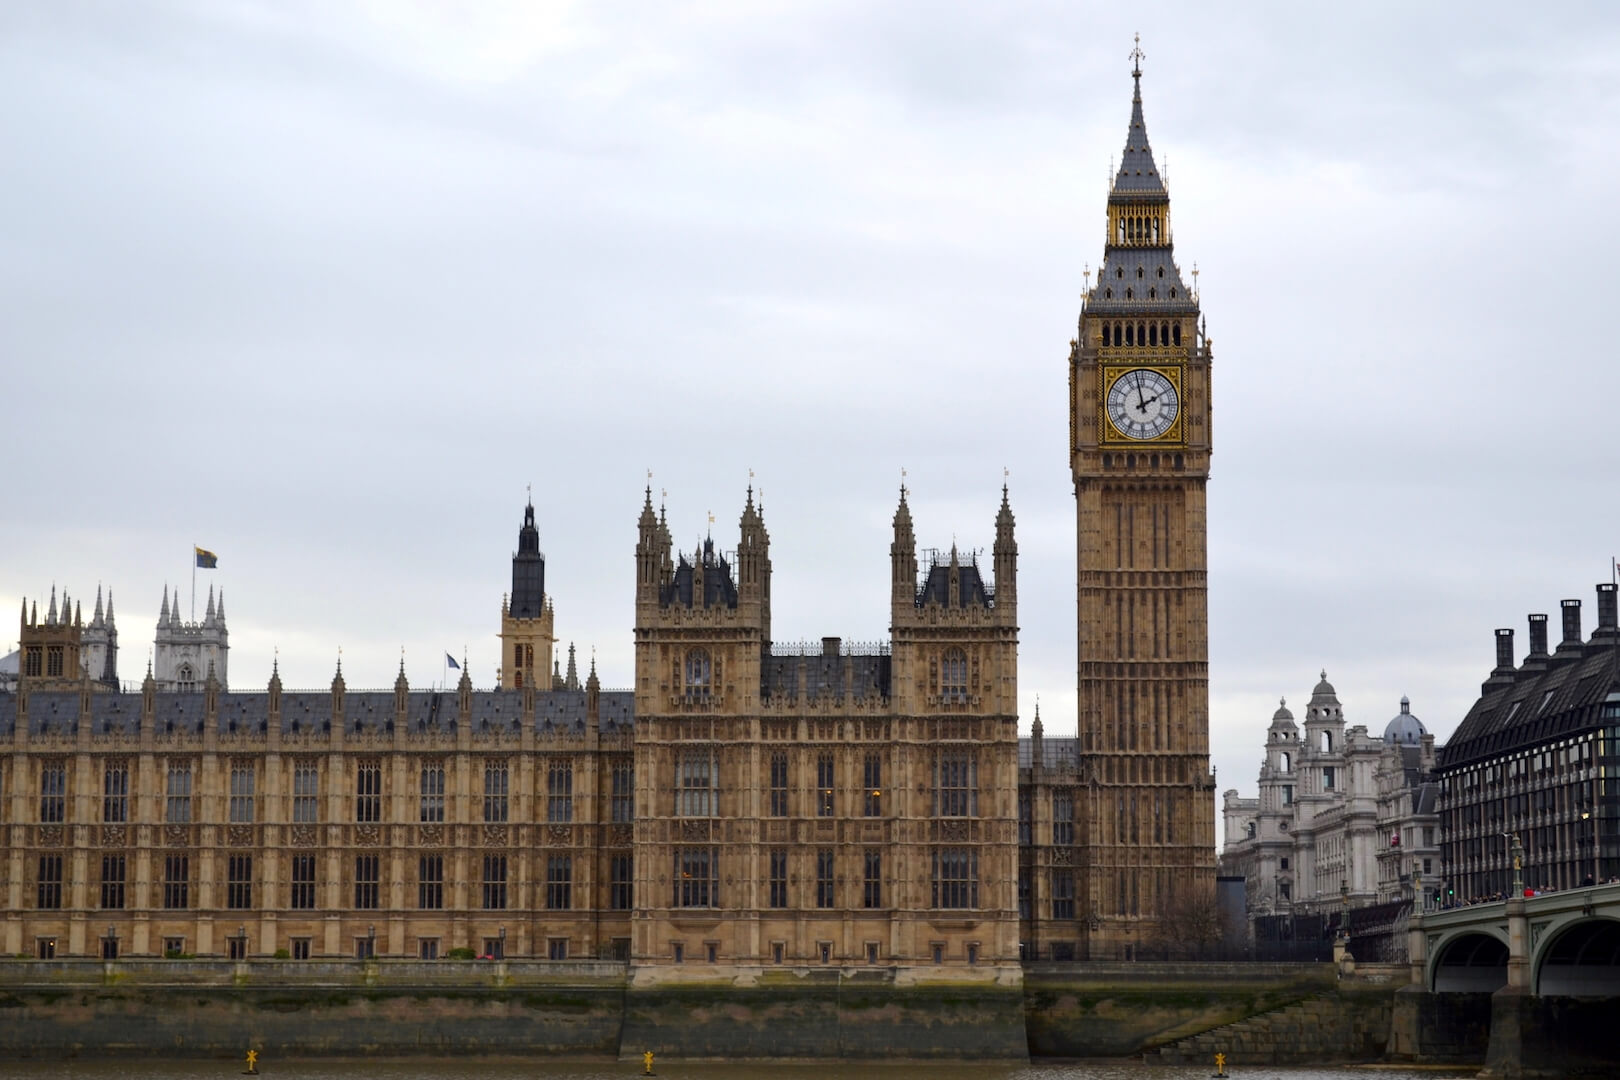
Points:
(1137, 56)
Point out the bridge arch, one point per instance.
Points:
(1582, 959)
(1470, 962)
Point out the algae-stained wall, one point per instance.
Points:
(304, 1022)
(179, 1008)
(822, 1015)
(1110, 1010)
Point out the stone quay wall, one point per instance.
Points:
(177, 1008)
(181, 1008)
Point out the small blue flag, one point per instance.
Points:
(206, 560)
(451, 661)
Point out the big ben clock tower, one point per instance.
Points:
(1140, 433)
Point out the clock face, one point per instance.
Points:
(1142, 404)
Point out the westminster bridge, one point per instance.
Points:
(1541, 973)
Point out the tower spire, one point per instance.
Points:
(1138, 176)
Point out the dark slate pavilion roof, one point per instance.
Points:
(1546, 700)
(936, 588)
(719, 590)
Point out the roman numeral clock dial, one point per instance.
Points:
(1142, 404)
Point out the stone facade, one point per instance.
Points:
(1341, 815)
(1140, 442)
(839, 806)
(747, 806)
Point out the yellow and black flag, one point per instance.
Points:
(206, 560)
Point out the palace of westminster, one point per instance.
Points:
(745, 804)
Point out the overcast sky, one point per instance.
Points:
(323, 286)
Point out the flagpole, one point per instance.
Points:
(194, 581)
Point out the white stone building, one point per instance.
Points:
(1340, 813)
(183, 652)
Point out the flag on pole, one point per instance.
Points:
(451, 661)
(206, 560)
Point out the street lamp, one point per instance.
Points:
(1586, 815)
(1417, 884)
(1344, 908)
(110, 950)
(371, 941)
(503, 944)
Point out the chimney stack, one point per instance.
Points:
(1504, 651)
(1538, 636)
(1572, 623)
(1606, 610)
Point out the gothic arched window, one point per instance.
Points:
(186, 679)
(953, 676)
(699, 673)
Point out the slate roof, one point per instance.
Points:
(1119, 276)
(719, 590)
(936, 587)
(57, 711)
(792, 673)
(113, 714)
(1138, 174)
(1545, 700)
(1055, 753)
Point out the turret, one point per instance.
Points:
(1006, 559)
(274, 688)
(402, 688)
(339, 689)
(593, 698)
(528, 597)
(754, 561)
(903, 560)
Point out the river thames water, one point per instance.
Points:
(486, 1069)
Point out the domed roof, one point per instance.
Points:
(1282, 718)
(1324, 691)
(1405, 728)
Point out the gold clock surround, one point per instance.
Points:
(1112, 436)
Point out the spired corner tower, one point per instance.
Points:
(527, 619)
(1140, 440)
